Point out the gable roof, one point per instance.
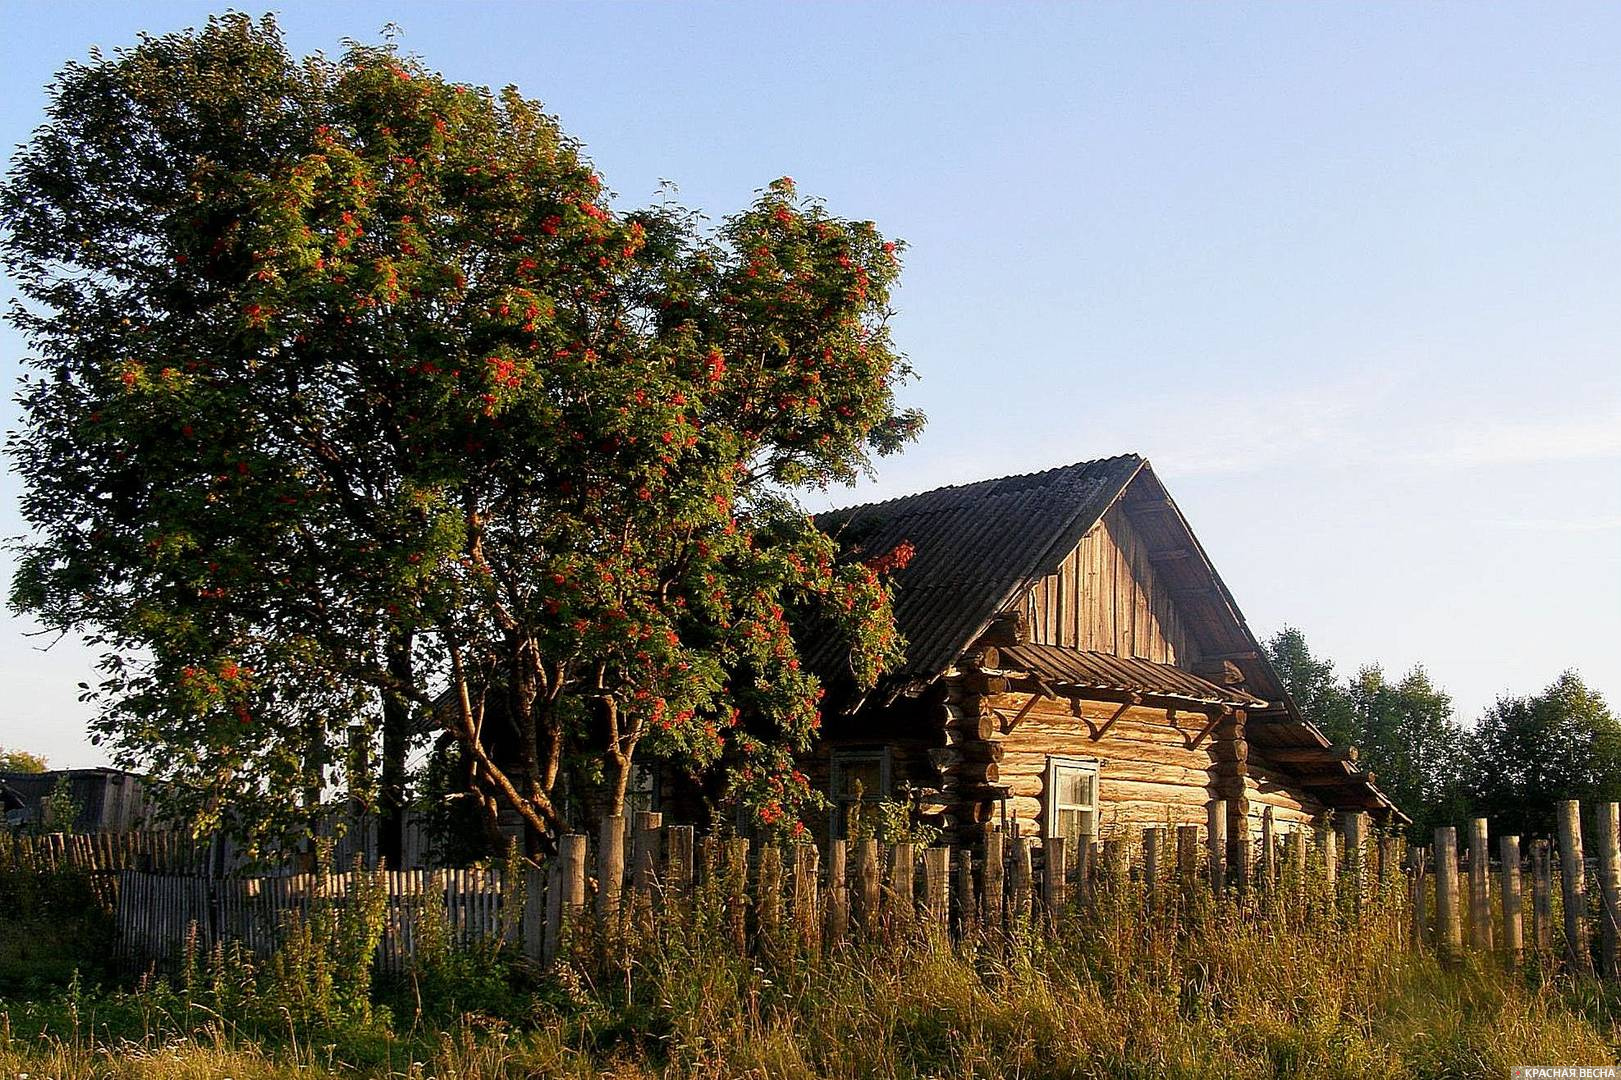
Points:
(978, 546)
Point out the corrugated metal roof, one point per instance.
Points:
(1102, 671)
(977, 547)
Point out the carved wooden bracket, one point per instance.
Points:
(1099, 730)
(1007, 723)
(1192, 740)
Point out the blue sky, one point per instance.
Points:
(1347, 274)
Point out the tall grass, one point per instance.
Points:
(1185, 986)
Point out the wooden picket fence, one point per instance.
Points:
(177, 851)
(821, 896)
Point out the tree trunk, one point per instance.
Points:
(396, 740)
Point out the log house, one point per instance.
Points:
(1075, 666)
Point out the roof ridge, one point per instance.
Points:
(1092, 463)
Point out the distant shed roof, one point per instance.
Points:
(978, 547)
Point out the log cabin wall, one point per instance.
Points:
(1292, 807)
(1106, 597)
(1148, 776)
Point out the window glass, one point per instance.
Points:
(1072, 800)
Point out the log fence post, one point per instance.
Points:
(1355, 824)
(967, 909)
(1609, 881)
(1541, 900)
(1573, 883)
(610, 869)
(936, 899)
(1151, 865)
(678, 861)
(838, 893)
(991, 882)
(1416, 883)
(1187, 858)
(1022, 890)
(1513, 924)
(737, 890)
(1054, 871)
(1449, 925)
(902, 895)
(768, 895)
(868, 890)
(806, 921)
(1216, 831)
(1480, 894)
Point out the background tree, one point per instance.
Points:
(1410, 739)
(1311, 682)
(358, 403)
(1405, 732)
(20, 761)
(1528, 753)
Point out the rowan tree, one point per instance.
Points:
(356, 400)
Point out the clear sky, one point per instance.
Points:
(1349, 275)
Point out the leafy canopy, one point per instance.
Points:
(333, 354)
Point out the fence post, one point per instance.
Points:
(1356, 854)
(1541, 899)
(902, 886)
(1449, 926)
(1151, 865)
(838, 894)
(1415, 866)
(678, 868)
(1054, 871)
(1216, 829)
(768, 902)
(567, 892)
(737, 890)
(805, 905)
(936, 868)
(1187, 858)
(967, 910)
(991, 881)
(1269, 853)
(867, 888)
(1023, 889)
(1326, 848)
(1480, 884)
(1609, 882)
(1513, 924)
(1573, 882)
(644, 855)
(610, 868)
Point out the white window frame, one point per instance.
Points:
(1050, 805)
(840, 758)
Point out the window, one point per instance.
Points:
(642, 790)
(1072, 799)
(857, 774)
